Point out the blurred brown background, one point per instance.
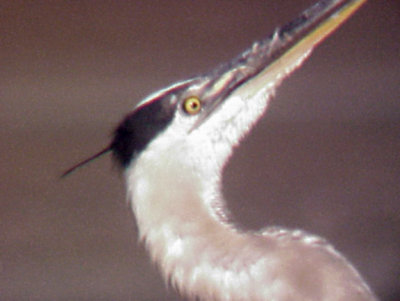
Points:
(325, 158)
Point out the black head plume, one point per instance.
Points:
(84, 162)
(136, 131)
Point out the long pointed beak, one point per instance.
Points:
(268, 62)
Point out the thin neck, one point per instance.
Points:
(185, 229)
(204, 257)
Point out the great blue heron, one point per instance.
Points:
(173, 148)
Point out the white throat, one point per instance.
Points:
(189, 244)
(201, 254)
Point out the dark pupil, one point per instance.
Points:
(194, 105)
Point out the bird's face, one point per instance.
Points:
(188, 120)
(200, 120)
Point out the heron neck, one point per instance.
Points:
(200, 254)
(183, 226)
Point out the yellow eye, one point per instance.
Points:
(192, 105)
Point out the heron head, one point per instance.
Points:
(203, 118)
